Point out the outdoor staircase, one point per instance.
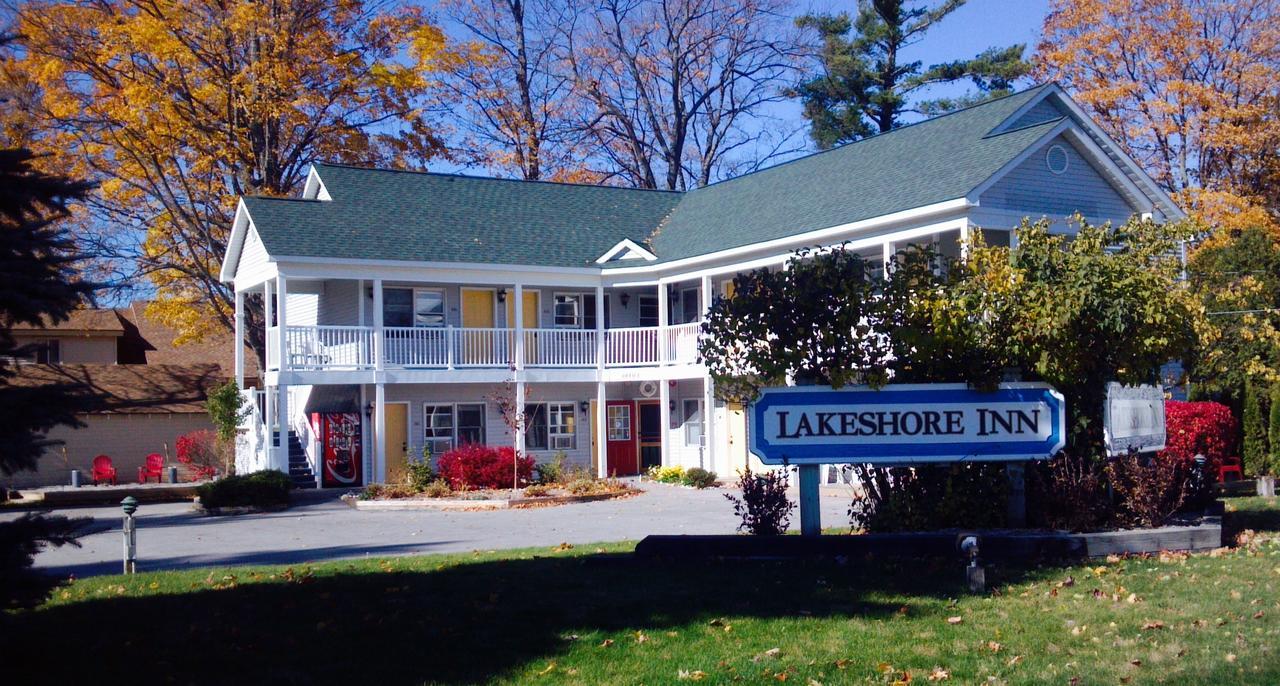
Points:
(299, 469)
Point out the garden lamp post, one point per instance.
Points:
(130, 505)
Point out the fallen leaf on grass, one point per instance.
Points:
(695, 675)
(1013, 661)
(994, 646)
(562, 547)
(607, 642)
(955, 620)
(939, 674)
(1231, 657)
(770, 653)
(640, 637)
(1157, 624)
(1257, 615)
(550, 668)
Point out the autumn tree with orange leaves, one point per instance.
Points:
(177, 107)
(1190, 88)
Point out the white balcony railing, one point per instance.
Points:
(352, 347)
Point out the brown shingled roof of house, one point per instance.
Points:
(147, 341)
(130, 388)
(80, 321)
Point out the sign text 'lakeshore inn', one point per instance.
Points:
(902, 424)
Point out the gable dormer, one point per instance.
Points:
(625, 250)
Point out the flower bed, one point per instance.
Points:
(381, 497)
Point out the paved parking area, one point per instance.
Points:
(320, 527)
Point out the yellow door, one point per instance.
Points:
(530, 321)
(478, 313)
(396, 442)
(477, 309)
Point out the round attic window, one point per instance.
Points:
(1056, 159)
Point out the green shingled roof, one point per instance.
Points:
(392, 215)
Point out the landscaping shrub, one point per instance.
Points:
(764, 507)
(929, 497)
(438, 489)
(1148, 489)
(1068, 492)
(667, 475)
(537, 491)
(481, 466)
(1254, 451)
(1273, 432)
(699, 478)
(259, 489)
(420, 475)
(592, 486)
(201, 452)
(552, 471)
(1199, 428)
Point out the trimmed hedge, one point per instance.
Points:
(1199, 428)
(259, 489)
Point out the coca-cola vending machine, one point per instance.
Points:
(339, 434)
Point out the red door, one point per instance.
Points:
(620, 429)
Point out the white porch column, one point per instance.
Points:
(602, 433)
(380, 432)
(708, 395)
(239, 339)
(518, 309)
(600, 323)
(282, 314)
(890, 249)
(664, 411)
(663, 320)
(360, 300)
(964, 241)
(268, 321)
(282, 389)
(379, 354)
(519, 442)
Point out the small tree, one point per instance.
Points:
(1255, 431)
(1273, 431)
(227, 409)
(515, 416)
(764, 507)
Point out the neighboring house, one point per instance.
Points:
(145, 392)
(407, 300)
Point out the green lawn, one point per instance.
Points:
(589, 615)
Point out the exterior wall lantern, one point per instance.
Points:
(502, 295)
(624, 299)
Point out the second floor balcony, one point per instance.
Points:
(319, 347)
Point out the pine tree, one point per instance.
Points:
(38, 284)
(1273, 431)
(1255, 433)
(865, 87)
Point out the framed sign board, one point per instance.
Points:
(1133, 419)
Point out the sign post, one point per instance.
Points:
(902, 425)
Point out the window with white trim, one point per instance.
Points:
(428, 307)
(568, 310)
(648, 309)
(693, 422)
(550, 426)
(447, 426)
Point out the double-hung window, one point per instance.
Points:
(693, 422)
(690, 305)
(648, 310)
(550, 426)
(447, 426)
(568, 311)
(405, 307)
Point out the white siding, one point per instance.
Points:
(339, 303)
(1032, 189)
(253, 256)
(302, 309)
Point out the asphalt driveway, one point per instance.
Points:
(320, 527)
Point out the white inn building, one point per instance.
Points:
(401, 305)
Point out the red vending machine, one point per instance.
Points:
(339, 434)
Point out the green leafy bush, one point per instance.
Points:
(929, 497)
(537, 491)
(764, 507)
(699, 478)
(259, 489)
(552, 471)
(1255, 431)
(420, 475)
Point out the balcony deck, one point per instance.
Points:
(316, 348)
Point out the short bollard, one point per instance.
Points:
(130, 505)
(975, 576)
(173, 475)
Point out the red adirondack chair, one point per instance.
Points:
(154, 467)
(103, 470)
(1230, 465)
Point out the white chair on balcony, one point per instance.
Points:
(308, 354)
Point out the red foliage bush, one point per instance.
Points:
(200, 452)
(482, 466)
(1199, 428)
